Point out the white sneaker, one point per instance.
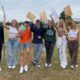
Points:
(72, 66)
(49, 65)
(38, 65)
(0, 69)
(26, 68)
(63, 67)
(21, 70)
(46, 65)
(10, 67)
(13, 67)
(76, 66)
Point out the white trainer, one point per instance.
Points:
(10, 67)
(72, 66)
(46, 65)
(63, 67)
(38, 65)
(0, 69)
(21, 69)
(26, 68)
(49, 65)
(76, 66)
(13, 67)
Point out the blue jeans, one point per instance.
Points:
(24, 45)
(12, 52)
(38, 48)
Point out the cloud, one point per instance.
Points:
(19, 8)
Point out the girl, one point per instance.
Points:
(1, 41)
(50, 38)
(73, 44)
(62, 45)
(12, 43)
(25, 42)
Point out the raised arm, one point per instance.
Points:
(67, 25)
(4, 19)
(32, 26)
(4, 23)
(55, 25)
(2, 35)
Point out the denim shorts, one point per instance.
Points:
(24, 45)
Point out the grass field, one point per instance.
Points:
(53, 73)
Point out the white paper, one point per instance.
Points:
(54, 15)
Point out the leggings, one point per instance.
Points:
(49, 51)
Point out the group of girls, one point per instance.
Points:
(38, 35)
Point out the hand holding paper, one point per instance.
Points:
(31, 16)
(67, 11)
(54, 16)
(43, 16)
(4, 16)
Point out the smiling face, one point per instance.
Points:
(50, 24)
(37, 23)
(25, 24)
(14, 23)
(61, 25)
(73, 25)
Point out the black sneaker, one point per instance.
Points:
(38, 65)
(34, 63)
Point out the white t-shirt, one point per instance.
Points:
(72, 34)
(13, 32)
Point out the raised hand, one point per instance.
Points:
(4, 16)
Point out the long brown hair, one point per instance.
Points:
(16, 23)
(51, 24)
(73, 25)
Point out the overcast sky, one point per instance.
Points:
(17, 9)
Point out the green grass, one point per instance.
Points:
(53, 73)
